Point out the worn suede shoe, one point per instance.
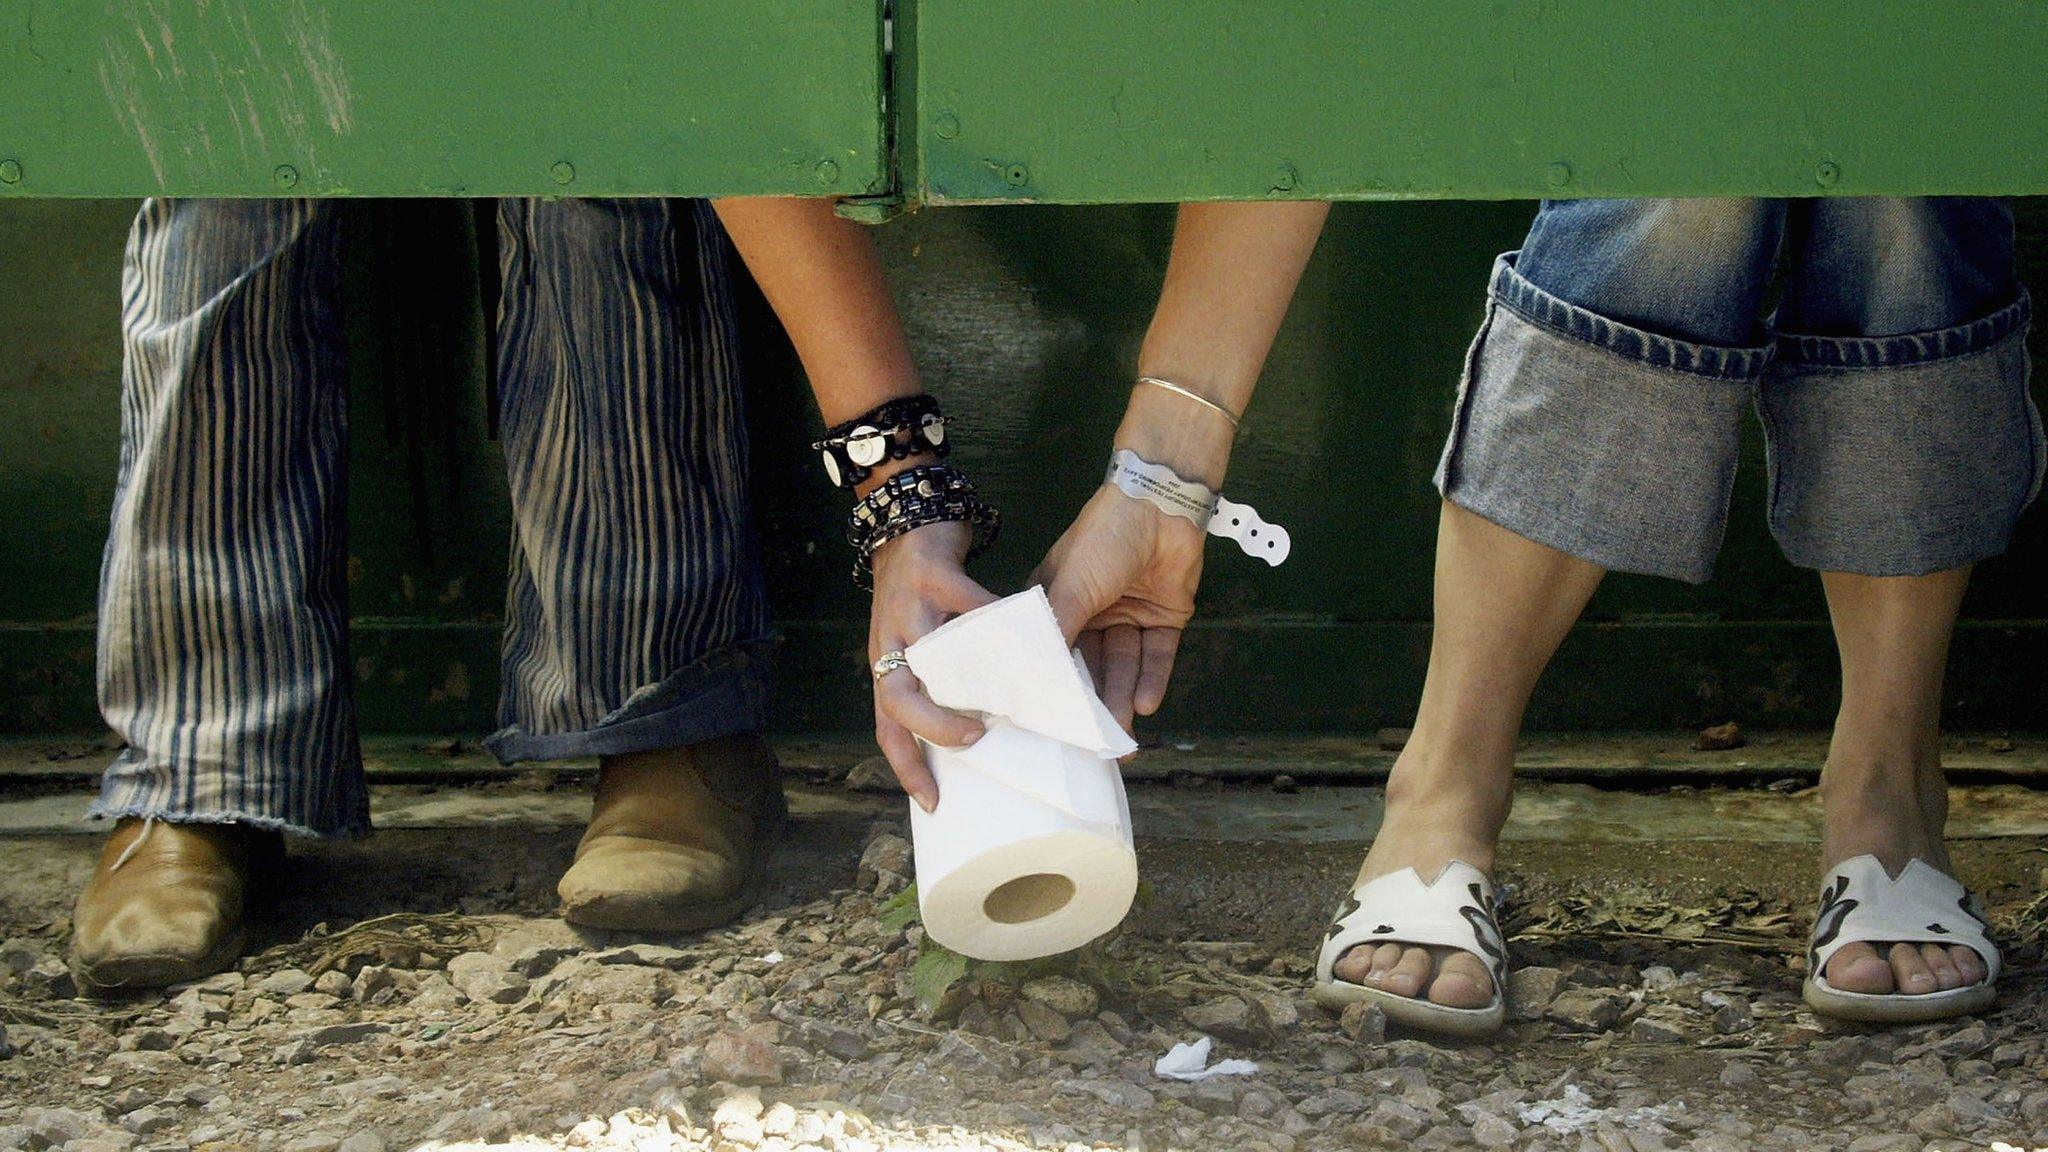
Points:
(678, 839)
(164, 905)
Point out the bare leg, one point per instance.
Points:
(1503, 605)
(1883, 785)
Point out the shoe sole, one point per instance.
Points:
(1420, 1015)
(633, 913)
(1895, 1007)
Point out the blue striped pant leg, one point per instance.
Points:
(636, 616)
(223, 650)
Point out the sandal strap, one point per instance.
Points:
(1861, 904)
(1456, 910)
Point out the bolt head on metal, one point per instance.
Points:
(10, 171)
(1285, 178)
(1017, 175)
(562, 172)
(1827, 173)
(286, 176)
(828, 172)
(1560, 174)
(946, 127)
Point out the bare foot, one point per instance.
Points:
(1427, 828)
(1897, 816)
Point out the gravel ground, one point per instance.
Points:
(414, 990)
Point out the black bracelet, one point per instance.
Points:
(893, 430)
(912, 499)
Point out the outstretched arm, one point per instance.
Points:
(824, 279)
(1122, 579)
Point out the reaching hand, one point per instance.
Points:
(1122, 582)
(919, 584)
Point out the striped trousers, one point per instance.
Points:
(635, 613)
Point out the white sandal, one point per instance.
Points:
(1456, 910)
(1861, 903)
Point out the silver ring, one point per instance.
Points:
(888, 662)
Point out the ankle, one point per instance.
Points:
(1440, 791)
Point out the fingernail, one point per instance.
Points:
(930, 804)
(975, 734)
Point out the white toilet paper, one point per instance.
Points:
(1029, 853)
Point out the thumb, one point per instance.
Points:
(1074, 602)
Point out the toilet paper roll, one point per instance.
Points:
(1008, 659)
(1029, 853)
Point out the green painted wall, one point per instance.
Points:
(1027, 320)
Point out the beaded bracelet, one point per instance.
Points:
(912, 499)
(893, 430)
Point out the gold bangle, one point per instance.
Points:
(1197, 397)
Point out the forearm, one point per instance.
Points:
(824, 279)
(1231, 277)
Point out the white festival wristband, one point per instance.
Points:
(1167, 490)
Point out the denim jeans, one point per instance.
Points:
(1881, 341)
(636, 616)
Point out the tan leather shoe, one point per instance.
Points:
(164, 905)
(678, 839)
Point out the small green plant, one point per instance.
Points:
(939, 969)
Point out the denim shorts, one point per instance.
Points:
(1881, 341)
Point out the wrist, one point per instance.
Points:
(1163, 428)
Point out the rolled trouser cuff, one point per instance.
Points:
(1609, 443)
(1903, 455)
(724, 693)
(328, 802)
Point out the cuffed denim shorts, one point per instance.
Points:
(1881, 341)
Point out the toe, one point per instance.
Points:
(1946, 975)
(1385, 958)
(1411, 975)
(1969, 964)
(1858, 968)
(1461, 982)
(1353, 965)
(1910, 971)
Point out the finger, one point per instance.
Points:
(1090, 645)
(1072, 605)
(1121, 646)
(904, 702)
(954, 591)
(907, 759)
(1155, 668)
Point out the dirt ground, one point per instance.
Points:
(414, 988)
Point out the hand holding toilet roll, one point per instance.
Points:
(1122, 582)
(1029, 850)
(919, 583)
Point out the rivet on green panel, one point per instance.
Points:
(286, 176)
(1560, 174)
(10, 171)
(563, 172)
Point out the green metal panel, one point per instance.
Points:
(1085, 101)
(505, 97)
